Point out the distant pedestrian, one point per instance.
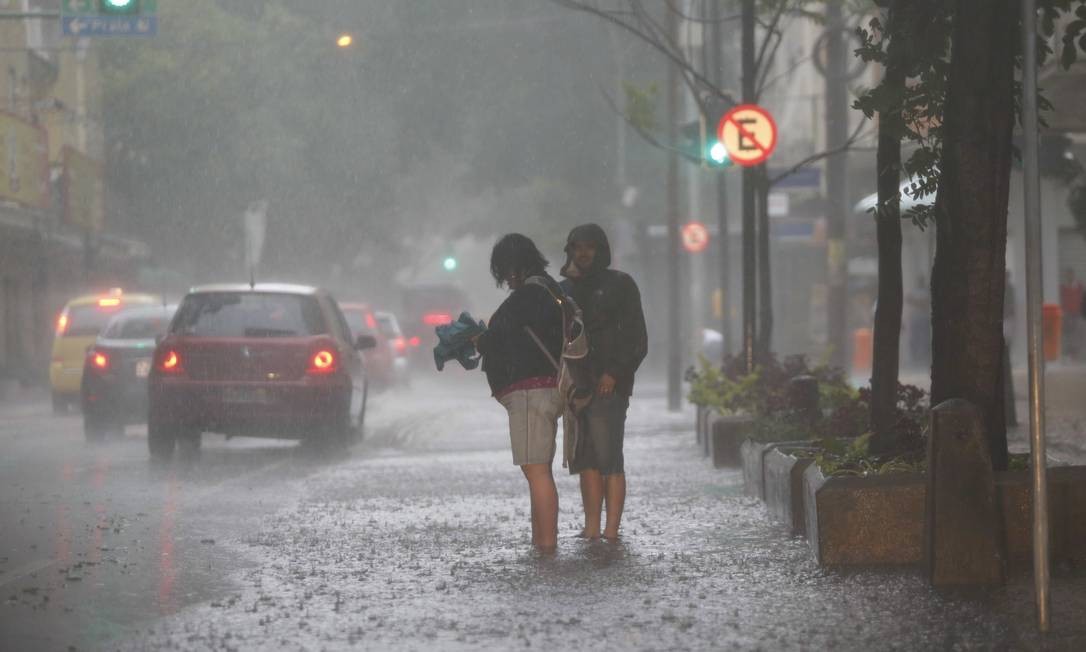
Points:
(1071, 307)
(617, 343)
(521, 375)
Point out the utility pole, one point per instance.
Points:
(716, 62)
(749, 260)
(674, 340)
(836, 123)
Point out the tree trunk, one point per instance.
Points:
(887, 339)
(971, 210)
(765, 271)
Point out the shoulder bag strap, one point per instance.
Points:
(542, 348)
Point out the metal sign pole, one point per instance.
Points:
(1032, 202)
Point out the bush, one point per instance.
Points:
(843, 429)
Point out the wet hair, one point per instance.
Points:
(515, 253)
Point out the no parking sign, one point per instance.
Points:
(748, 133)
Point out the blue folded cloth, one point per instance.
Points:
(454, 342)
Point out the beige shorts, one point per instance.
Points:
(533, 424)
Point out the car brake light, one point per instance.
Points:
(99, 360)
(62, 322)
(400, 344)
(414, 341)
(170, 362)
(322, 362)
(110, 302)
(437, 318)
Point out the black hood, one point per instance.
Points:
(589, 233)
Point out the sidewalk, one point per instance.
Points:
(427, 548)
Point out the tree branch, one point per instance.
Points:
(693, 78)
(824, 154)
(645, 135)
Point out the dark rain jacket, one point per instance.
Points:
(509, 353)
(611, 304)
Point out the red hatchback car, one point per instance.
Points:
(267, 360)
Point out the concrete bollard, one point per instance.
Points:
(726, 438)
(962, 523)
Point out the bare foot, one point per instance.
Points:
(583, 534)
(611, 538)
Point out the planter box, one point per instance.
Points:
(726, 436)
(1066, 510)
(699, 424)
(753, 476)
(852, 521)
(784, 489)
(865, 521)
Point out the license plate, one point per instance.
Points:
(245, 395)
(143, 367)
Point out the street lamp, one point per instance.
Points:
(344, 40)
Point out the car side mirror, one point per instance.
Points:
(365, 342)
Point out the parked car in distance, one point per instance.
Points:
(425, 307)
(383, 362)
(76, 330)
(268, 360)
(389, 328)
(116, 369)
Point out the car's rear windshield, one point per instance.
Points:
(387, 325)
(356, 320)
(137, 327)
(89, 320)
(249, 314)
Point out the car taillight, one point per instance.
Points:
(98, 360)
(170, 362)
(400, 344)
(437, 318)
(322, 362)
(62, 322)
(414, 341)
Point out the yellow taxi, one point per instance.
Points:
(77, 329)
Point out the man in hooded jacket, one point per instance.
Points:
(618, 342)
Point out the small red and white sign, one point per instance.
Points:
(695, 237)
(748, 133)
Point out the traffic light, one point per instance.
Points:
(699, 141)
(118, 7)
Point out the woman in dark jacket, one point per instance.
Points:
(521, 371)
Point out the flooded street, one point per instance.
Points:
(420, 540)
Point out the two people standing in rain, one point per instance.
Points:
(521, 349)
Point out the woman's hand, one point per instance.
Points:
(606, 386)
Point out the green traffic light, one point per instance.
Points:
(718, 154)
(118, 6)
(450, 264)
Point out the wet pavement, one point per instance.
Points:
(419, 539)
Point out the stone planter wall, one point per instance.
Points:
(784, 488)
(726, 436)
(1066, 509)
(864, 521)
(753, 473)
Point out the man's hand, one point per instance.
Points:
(606, 386)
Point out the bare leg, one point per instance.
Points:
(616, 500)
(544, 496)
(592, 497)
